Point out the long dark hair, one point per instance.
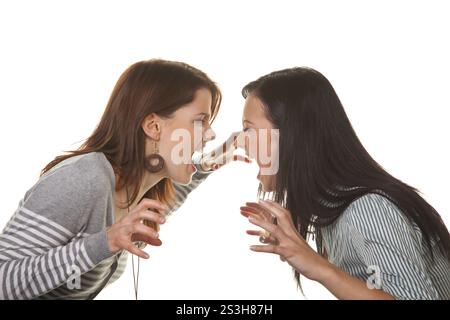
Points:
(151, 86)
(322, 159)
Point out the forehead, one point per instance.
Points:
(200, 104)
(253, 108)
(203, 99)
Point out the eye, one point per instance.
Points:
(246, 129)
(200, 120)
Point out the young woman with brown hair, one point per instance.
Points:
(70, 235)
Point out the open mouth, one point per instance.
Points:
(190, 164)
(192, 168)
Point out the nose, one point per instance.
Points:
(209, 135)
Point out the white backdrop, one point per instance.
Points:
(388, 62)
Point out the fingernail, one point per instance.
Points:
(252, 247)
(146, 256)
(162, 220)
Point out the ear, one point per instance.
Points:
(152, 126)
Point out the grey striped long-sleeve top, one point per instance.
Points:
(55, 245)
(375, 242)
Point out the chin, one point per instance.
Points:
(183, 177)
(185, 181)
(266, 185)
(265, 189)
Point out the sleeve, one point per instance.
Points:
(39, 247)
(390, 248)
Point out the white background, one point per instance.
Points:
(388, 61)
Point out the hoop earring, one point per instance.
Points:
(154, 162)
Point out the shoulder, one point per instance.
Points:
(376, 216)
(78, 178)
(70, 191)
(89, 172)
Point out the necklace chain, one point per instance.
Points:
(135, 274)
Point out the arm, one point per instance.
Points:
(39, 250)
(401, 269)
(346, 287)
(293, 249)
(182, 191)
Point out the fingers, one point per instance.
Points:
(156, 205)
(264, 237)
(273, 229)
(255, 233)
(270, 210)
(136, 251)
(152, 242)
(223, 161)
(151, 224)
(276, 209)
(149, 216)
(249, 214)
(248, 211)
(282, 215)
(255, 208)
(268, 239)
(143, 230)
(232, 139)
(149, 240)
(245, 213)
(238, 157)
(265, 248)
(260, 214)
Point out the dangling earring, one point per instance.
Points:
(154, 162)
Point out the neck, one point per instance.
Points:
(148, 181)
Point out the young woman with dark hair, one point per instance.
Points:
(376, 236)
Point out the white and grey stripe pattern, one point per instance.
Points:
(38, 255)
(55, 245)
(375, 242)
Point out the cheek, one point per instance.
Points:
(178, 144)
(259, 147)
(166, 146)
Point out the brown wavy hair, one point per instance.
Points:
(146, 87)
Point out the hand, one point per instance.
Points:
(130, 228)
(224, 154)
(282, 238)
(252, 209)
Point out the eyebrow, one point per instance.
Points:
(247, 122)
(204, 114)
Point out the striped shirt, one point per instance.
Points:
(55, 245)
(375, 242)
